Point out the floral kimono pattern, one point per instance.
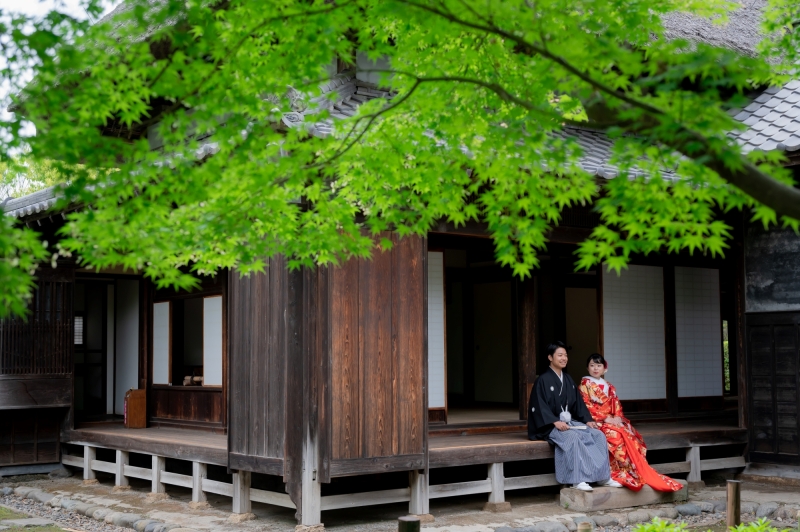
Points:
(626, 448)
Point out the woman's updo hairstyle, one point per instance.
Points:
(597, 358)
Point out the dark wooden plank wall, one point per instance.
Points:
(41, 343)
(377, 313)
(30, 436)
(189, 405)
(774, 352)
(257, 366)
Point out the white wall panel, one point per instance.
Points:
(161, 341)
(436, 354)
(126, 341)
(699, 332)
(633, 331)
(212, 341)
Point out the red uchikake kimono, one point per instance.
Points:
(626, 448)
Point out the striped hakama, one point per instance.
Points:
(581, 455)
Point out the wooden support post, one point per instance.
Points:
(159, 463)
(734, 507)
(120, 480)
(199, 472)
(497, 497)
(311, 513)
(693, 457)
(89, 455)
(419, 504)
(241, 492)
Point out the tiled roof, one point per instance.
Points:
(740, 33)
(597, 152)
(773, 120)
(36, 203)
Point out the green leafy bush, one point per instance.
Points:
(657, 525)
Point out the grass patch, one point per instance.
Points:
(5, 513)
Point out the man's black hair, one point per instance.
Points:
(551, 349)
(597, 358)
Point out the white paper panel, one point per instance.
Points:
(436, 372)
(633, 332)
(212, 341)
(699, 332)
(126, 341)
(161, 343)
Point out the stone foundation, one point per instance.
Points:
(612, 498)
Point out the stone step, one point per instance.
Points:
(612, 498)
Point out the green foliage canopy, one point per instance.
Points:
(480, 91)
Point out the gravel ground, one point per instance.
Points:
(62, 517)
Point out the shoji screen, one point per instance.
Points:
(161, 342)
(436, 354)
(212, 341)
(633, 332)
(699, 332)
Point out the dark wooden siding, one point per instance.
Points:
(42, 342)
(774, 352)
(257, 366)
(30, 437)
(189, 406)
(377, 324)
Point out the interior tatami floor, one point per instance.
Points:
(481, 415)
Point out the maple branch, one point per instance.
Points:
(781, 197)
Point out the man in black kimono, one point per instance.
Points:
(558, 415)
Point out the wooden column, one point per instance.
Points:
(241, 492)
(120, 480)
(739, 329)
(670, 339)
(693, 457)
(419, 504)
(199, 472)
(528, 332)
(89, 455)
(497, 497)
(311, 513)
(498, 493)
(159, 462)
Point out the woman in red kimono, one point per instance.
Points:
(626, 447)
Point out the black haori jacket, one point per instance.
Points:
(547, 401)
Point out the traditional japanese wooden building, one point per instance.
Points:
(409, 371)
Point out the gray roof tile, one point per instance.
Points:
(775, 113)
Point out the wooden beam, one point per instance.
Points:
(382, 464)
(271, 497)
(372, 498)
(74, 461)
(105, 467)
(722, 463)
(138, 472)
(217, 487)
(175, 479)
(531, 481)
(460, 488)
(673, 467)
